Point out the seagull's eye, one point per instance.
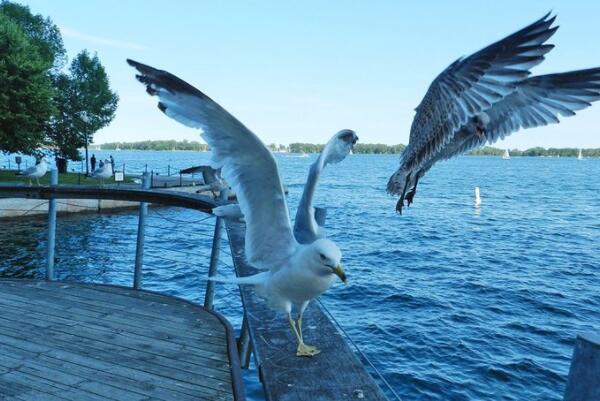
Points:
(322, 256)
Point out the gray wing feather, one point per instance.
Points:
(309, 221)
(538, 101)
(247, 164)
(466, 88)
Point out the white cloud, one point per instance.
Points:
(120, 44)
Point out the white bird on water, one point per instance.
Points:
(37, 171)
(487, 96)
(294, 273)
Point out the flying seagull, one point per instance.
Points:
(38, 171)
(486, 97)
(294, 273)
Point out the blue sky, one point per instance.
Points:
(301, 71)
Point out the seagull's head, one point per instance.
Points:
(325, 258)
(339, 146)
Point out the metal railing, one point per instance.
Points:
(144, 195)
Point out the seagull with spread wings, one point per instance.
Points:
(294, 273)
(486, 97)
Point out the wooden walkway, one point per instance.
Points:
(76, 342)
(334, 374)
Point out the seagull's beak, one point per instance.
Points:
(339, 271)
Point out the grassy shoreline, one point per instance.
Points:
(66, 178)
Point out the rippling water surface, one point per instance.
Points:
(449, 301)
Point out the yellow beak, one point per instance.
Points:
(339, 271)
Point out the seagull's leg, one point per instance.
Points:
(302, 348)
(411, 194)
(309, 348)
(400, 203)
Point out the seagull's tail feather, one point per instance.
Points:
(396, 182)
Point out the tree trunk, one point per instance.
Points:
(87, 162)
(61, 165)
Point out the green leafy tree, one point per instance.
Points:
(62, 130)
(93, 103)
(26, 90)
(41, 32)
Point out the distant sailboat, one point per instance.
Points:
(506, 155)
(580, 155)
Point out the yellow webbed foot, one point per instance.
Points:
(307, 350)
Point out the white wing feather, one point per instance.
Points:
(245, 162)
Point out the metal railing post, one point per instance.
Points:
(51, 229)
(209, 296)
(139, 248)
(244, 346)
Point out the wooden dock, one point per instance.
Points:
(334, 374)
(82, 342)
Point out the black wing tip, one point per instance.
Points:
(548, 18)
(137, 65)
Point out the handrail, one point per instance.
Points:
(144, 196)
(123, 193)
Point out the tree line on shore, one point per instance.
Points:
(154, 145)
(538, 151)
(359, 148)
(47, 105)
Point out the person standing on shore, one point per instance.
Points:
(93, 162)
(112, 164)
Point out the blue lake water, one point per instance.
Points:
(449, 301)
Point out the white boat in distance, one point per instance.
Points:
(506, 155)
(580, 155)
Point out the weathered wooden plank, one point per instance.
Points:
(194, 358)
(131, 307)
(33, 395)
(164, 358)
(84, 347)
(136, 334)
(116, 362)
(334, 374)
(139, 326)
(127, 372)
(150, 388)
(117, 356)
